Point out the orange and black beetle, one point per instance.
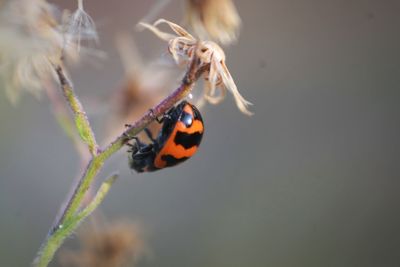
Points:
(178, 140)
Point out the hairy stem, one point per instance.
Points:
(81, 120)
(65, 122)
(54, 241)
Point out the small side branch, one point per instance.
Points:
(81, 121)
(71, 224)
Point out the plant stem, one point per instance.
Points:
(65, 225)
(65, 122)
(81, 120)
(71, 224)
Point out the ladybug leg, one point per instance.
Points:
(132, 147)
(159, 120)
(137, 147)
(149, 135)
(127, 135)
(138, 144)
(166, 116)
(127, 142)
(155, 117)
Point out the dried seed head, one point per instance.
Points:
(29, 37)
(215, 19)
(32, 40)
(183, 47)
(79, 26)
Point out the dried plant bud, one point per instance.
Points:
(115, 245)
(183, 47)
(215, 19)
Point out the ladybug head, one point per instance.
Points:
(142, 157)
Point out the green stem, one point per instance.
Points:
(65, 122)
(54, 241)
(100, 195)
(81, 120)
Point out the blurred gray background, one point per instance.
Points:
(312, 179)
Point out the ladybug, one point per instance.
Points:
(179, 138)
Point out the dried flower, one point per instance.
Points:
(183, 47)
(217, 19)
(115, 245)
(28, 38)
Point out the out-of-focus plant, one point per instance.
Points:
(214, 19)
(111, 244)
(31, 38)
(33, 49)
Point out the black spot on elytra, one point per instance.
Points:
(172, 161)
(188, 140)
